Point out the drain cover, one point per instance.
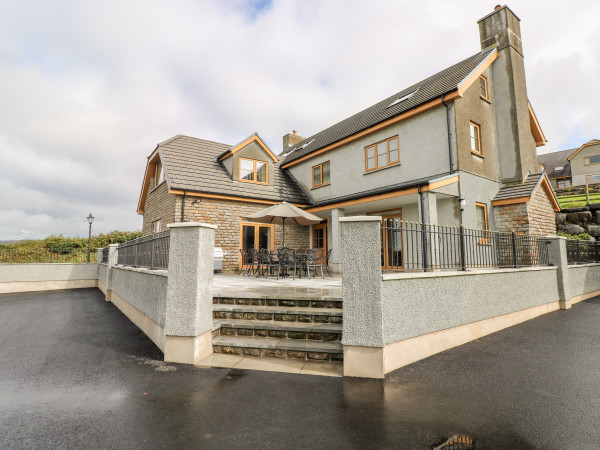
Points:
(235, 374)
(456, 443)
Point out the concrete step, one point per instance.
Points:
(333, 303)
(272, 328)
(278, 313)
(279, 348)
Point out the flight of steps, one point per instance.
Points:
(282, 328)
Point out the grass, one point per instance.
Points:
(576, 201)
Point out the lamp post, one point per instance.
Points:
(90, 219)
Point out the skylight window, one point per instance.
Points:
(307, 144)
(401, 99)
(559, 168)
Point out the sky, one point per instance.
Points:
(87, 89)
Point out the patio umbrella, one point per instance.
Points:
(284, 212)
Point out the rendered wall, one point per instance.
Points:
(144, 289)
(102, 276)
(417, 304)
(584, 279)
(41, 277)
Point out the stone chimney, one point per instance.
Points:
(291, 139)
(514, 141)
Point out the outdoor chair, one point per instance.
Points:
(253, 262)
(314, 259)
(246, 261)
(327, 262)
(268, 262)
(287, 260)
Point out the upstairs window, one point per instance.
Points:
(592, 178)
(591, 160)
(253, 171)
(159, 174)
(483, 84)
(382, 154)
(321, 174)
(157, 226)
(475, 138)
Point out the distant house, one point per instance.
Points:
(575, 166)
(458, 148)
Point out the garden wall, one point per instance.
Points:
(45, 277)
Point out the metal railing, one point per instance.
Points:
(409, 246)
(148, 251)
(104, 259)
(44, 255)
(582, 252)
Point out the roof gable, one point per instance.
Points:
(587, 144)
(555, 160)
(252, 138)
(151, 163)
(523, 192)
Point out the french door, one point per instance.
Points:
(254, 235)
(319, 238)
(391, 238)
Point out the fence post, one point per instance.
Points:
(578, 253)
(424, 244)
(152, 254)
(514, 249)
(463, 249)
(557, 256)
(189, 303)
(363, 339)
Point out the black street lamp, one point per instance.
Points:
(90, 219)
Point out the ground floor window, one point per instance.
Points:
(561, 184)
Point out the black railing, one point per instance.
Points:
(104, 259)
(582, 252)
(44, 255)
(409, 246)
(148, 251)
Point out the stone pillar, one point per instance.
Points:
(112, 261)
(189, 305)
(361, 290)
(336, 255)
(557, 254)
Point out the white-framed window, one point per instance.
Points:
(475, 132)
(157, 226)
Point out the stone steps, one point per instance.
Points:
(334, 303)
(279, 329)
(277, 313)
(279, 348)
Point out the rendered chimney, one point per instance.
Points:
(291, 139)
(514, 142)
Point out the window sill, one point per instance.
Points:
(382, 168)
(320, 186)
(488, 101)
(479, 155)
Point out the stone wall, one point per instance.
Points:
(160, 205)
(533, 217)
(512, 217)
(580, 220)
(228, 215)
(541, 214)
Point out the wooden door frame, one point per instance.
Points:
(384, 240)
(254, 224)
(319, 226)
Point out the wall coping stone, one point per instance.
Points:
(162, 273)
(191, 224)
(574, 266)
(401, 276)
(361, 219)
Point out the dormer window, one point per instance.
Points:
(483, 86)
(253, 171)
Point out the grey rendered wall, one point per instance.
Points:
(102, 273)
(423, 152)
(579, 170)
(144, 289)
(584, 279)
(47, 272)
(425, 304)
(474, 188)
(251, 151)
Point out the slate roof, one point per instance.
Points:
(191, 164)
(517, 190)
(557, 159)
(441, 83)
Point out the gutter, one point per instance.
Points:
(449, 134)
(183, 206)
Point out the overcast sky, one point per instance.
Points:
(87, 89)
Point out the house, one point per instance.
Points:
(575, 166)
(458, 148)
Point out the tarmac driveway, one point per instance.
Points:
(75, 373)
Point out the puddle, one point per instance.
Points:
(159, 366)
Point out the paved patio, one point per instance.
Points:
(77, 374)
(226, 285)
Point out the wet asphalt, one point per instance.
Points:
(75, 373)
